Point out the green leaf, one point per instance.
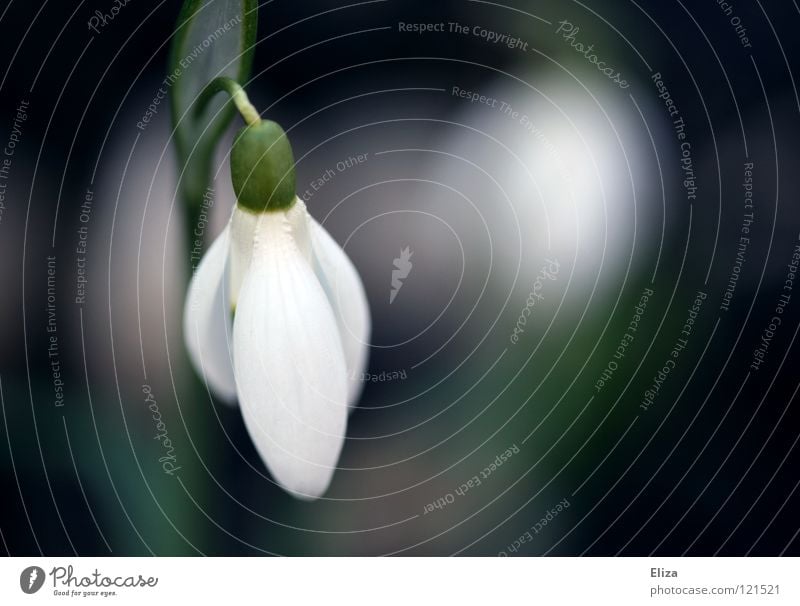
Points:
(213, 38)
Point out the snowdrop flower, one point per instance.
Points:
(276, 317)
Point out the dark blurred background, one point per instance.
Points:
(559, 182)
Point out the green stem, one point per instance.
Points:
(238, 96)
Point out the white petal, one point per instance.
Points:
(289, 363)
(243, 232)
(347, 297)
(299, 220)
(207, 321)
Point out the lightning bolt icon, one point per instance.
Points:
(403, 267)
(32, 579)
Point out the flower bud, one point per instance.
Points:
(262, 167)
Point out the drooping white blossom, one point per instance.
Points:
(276, 318)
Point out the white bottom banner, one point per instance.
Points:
(356, 581)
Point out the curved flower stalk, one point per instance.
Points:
(276, 317)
